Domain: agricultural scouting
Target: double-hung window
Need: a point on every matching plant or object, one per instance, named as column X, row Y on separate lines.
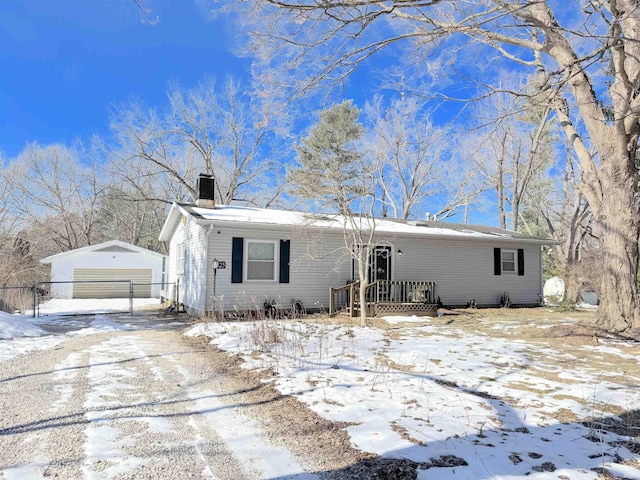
column 261, row 260
column 509, row 264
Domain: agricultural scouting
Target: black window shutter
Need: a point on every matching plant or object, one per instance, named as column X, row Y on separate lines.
column 520, row 261
column 236, row 259
column 285, row 249
column 497, row 261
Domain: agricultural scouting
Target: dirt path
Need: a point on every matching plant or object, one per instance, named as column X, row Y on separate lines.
column 141, row 404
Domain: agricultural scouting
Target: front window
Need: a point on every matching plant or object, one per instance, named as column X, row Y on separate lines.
column 509, row 261
column 261, row 260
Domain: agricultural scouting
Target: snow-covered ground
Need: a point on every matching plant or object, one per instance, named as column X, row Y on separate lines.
column 145, row 410
column 22, row 335
column 64, row 306
column 485, row 407
column 16, row 327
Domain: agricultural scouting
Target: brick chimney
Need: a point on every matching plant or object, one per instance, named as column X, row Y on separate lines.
column 206, row 190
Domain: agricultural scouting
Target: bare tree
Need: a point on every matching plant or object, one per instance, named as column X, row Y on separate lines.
column 55, row 188
column 48, row 197
column 512, row 148
column 126, row 215
column 596, row 102
column 414, row 162
column 334, row 170
column 203, row 130
column 566, row 217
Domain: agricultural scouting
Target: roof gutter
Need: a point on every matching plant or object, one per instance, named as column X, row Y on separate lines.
column 339, row 230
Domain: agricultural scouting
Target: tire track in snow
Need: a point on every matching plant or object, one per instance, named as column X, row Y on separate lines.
column 45, row 418
column 128, row 405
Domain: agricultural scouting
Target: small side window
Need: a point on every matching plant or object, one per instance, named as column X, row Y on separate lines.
column 509, row 264
column 180, row 259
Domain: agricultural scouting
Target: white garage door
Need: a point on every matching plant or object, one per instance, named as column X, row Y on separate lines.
column 93, row 285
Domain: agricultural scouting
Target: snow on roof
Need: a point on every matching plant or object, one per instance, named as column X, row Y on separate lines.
column 108, row 246
column 261, row 216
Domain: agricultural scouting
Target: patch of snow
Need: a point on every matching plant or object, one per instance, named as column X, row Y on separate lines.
column 14, row 329
column 21, row 346
column 608, row 350
column 105, row 444
column 243, row 438
column 407, row 319
column 586, row 306
column 67, row 306
column 16, row 326
column 101, row 324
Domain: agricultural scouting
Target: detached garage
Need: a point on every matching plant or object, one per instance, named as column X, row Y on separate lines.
column 106, row 270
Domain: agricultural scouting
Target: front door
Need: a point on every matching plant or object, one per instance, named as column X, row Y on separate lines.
column 380, row 264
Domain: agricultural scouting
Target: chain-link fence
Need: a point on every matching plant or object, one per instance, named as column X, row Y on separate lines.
column 18, row 298
column 87, row 297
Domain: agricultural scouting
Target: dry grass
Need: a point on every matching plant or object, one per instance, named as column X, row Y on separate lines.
column 552, row 342
column 572, row 337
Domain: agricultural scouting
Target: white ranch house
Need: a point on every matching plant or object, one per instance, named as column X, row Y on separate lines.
column 263, row 254
column 105, row 270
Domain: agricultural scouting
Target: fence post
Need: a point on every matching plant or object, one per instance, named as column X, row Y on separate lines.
column 177, row 294
column 130, row 297
column 33, row 290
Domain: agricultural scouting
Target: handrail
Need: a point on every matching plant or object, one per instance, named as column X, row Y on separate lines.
column 343, row 298
column 402, row 291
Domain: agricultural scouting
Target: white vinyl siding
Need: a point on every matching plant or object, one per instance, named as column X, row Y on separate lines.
column 315, row 266
column 464, row 270
column 260, row 260
column 190, row 289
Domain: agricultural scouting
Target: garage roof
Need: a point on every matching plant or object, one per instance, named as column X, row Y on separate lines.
column 110, row 246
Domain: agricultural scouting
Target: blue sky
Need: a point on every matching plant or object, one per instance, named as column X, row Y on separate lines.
column 64, row 62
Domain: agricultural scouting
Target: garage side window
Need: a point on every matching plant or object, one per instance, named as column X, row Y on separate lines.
column 261, row 260
column 180, row 259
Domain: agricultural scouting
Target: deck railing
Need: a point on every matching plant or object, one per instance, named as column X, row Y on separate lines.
column 382, row 292
column 392, row 291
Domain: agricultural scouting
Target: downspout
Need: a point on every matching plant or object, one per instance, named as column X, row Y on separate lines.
column 206, row 270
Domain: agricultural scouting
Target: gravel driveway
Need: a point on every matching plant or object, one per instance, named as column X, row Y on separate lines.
column 144, row 403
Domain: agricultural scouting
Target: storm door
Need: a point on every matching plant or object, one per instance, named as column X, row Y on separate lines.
column 380, row 264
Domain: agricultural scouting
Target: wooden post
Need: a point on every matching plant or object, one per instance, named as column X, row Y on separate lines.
column 352, row 303
column 331, row 301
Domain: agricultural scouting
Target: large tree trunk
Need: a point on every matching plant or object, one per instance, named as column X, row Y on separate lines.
column 618, row 225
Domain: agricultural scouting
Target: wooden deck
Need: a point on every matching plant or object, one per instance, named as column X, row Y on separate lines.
column 386, row 297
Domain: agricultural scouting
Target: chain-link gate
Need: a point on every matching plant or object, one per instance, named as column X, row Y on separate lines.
column 85, row 297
